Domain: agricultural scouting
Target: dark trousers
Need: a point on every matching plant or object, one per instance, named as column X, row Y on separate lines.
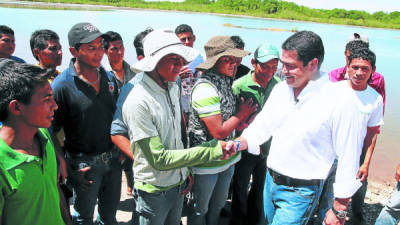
column 247, row 206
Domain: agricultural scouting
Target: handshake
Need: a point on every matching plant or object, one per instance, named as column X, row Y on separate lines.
column 230, row 148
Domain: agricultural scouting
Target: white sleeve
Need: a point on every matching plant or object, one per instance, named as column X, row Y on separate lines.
column 263, row 126
column 376, row 118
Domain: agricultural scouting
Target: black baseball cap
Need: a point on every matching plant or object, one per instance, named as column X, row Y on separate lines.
column 83, row 33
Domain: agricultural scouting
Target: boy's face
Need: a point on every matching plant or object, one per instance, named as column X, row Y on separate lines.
column 51, row 56
column 7, row 45
column 115, row 52
column 91, row 53
column 40, row 111
column 360, row 70
column 187, row 38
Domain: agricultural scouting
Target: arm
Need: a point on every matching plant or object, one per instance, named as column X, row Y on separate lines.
column 164, row 159
column 63, row 206
column 123, row 144
column 368, row 149
column 340, row 204
column 221, row 130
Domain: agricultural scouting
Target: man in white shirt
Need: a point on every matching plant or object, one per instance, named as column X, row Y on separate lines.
column 307, row 118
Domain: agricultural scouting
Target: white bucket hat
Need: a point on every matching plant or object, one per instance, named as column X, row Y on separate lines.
column 160, row 43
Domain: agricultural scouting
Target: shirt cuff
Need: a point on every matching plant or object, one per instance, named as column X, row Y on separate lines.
column 346, row 189
column 252, row 147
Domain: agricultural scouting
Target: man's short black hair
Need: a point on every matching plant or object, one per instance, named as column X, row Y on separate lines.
column 18, row 81
column 183, row 28
column 5, row 30
column 308, row 46
column 110, row 37
column 39, row 39
column 363, row 53
column 138, row 44
column 356, row 44
column 239, row 43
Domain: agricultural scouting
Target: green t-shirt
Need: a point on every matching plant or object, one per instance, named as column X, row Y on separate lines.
column 28, row 185
column 246, row 87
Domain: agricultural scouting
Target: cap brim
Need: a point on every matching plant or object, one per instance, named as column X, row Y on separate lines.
column 210, row 62
column 148, row 63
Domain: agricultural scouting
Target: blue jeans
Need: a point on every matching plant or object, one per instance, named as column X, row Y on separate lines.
column 289, row 205
column 160, row 208
column 390, row 214
column 105, row 191
column 210, row 193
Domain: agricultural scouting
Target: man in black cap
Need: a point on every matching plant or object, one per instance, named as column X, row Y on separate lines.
column 85, row 94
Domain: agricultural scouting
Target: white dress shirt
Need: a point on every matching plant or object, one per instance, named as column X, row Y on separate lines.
column 309, row 132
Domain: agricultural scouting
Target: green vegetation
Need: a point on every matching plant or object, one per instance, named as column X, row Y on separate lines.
column 261, row 8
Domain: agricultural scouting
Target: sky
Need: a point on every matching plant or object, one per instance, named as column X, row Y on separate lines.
column 370, row 6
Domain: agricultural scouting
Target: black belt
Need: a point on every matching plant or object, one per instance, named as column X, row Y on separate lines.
column 281, row 179
column 104, row 157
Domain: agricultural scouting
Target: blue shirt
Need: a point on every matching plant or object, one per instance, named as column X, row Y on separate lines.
column 85, row 115
column 15, row 58
column 118, row 126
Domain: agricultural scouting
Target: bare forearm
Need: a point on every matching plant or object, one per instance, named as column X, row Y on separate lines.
column 63, row 206
column 369, row 145
column 123, row 144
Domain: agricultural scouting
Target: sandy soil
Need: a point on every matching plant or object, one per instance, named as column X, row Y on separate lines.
column 377, row 195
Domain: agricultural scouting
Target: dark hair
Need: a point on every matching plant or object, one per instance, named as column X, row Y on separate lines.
column 5, row 30
column 183, row 28
column 39, row 39
column 363, row 53
column 356, row 44
column 18, row 82
column 308, row 46
column 110, row 37
column 239, row 43
column 138, row 44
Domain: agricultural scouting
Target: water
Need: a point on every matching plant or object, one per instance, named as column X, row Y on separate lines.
column 385, row 43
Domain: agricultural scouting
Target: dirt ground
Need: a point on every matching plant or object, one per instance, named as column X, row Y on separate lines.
column 377, row 195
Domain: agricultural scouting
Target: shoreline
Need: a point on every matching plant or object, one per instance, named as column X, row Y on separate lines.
column 100, row 7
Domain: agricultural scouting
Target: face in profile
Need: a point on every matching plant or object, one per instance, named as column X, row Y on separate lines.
column 51, row 56
column 40, row 111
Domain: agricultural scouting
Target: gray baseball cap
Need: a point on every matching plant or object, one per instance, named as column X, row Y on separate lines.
column 83, row 33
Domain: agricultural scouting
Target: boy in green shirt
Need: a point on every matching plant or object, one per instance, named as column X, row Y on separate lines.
column 29, row 192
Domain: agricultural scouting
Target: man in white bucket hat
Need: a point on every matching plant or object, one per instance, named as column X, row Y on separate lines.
column 153, row 115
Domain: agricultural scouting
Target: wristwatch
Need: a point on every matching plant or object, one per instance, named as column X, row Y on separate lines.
column 339, row 214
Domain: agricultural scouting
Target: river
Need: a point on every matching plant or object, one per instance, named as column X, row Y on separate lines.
column 385, row 43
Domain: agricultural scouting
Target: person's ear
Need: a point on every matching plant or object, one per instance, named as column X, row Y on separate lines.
column 194, row 38
column 36, row 52
column 73, row 51
column 313, row 65
column 15, row 107
column 253, row 62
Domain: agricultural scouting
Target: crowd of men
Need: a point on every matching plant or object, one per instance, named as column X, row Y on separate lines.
column 290, row 145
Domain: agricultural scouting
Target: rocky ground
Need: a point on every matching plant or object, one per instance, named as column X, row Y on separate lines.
column 377, row 195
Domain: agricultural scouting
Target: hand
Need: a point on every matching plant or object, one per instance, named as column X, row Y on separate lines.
column 363, row 172
column 246, row 108
column 331, row 219
column 185, row 72
column 228, row 149
column 78, row 178
column 397, row 175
